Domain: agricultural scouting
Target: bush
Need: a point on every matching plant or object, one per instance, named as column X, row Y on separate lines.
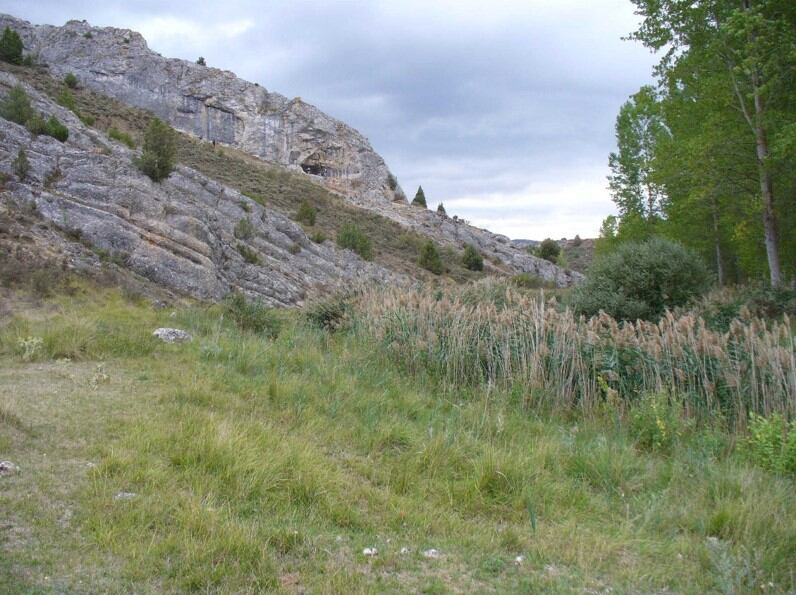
column 70, row 80
column 67, row 100
column 441, row 209
column 11, row 46
column 251, row 316
column 350, row 236
column 306, row 213
column 392, row 182
column 472, row 259
column 420, row 198
column 330, row 315
column 772, row 443
column 655, row 423
column 201, row 61
column 430, row 258
column 159, row 154
column 548, row 250
column 122, row 137
column 15, row 106
column 641, row 280
column 55, row 129
column 243, row 229
column 21, row 165
column 318, row 237
column 248, row 254
column 531, row 281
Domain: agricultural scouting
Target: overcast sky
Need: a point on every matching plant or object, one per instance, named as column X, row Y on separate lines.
column 502, row 110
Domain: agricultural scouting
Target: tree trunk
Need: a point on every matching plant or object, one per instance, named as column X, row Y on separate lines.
column 767, row 193
column 716, row 239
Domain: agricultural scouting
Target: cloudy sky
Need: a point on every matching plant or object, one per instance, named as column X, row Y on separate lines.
column 502, row 110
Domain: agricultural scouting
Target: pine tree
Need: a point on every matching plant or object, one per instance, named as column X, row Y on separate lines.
column 159, row 154
column 441, row 209
column 420, row 198
column 430, row 258
column 472, row 259
column 11, row 46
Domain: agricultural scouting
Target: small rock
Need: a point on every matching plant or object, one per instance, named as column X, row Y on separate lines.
column 431, row 554
column 404, row 551
column 370, row 552
column 519, row 560
column 125, row 496
column 8, row 468
column 172, row 335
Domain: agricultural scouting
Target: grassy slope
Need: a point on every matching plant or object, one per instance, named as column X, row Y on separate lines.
column 393, row 246
column 264, row 464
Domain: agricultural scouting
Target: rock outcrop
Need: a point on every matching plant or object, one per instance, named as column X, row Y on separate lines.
column 183, row 234
column 216, row 105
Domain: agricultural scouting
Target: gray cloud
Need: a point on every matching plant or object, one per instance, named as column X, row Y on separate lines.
column 505, row 113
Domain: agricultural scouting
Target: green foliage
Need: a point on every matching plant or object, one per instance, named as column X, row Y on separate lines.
column 55, row 129
column 21, row 165
column 772, row 443
column 251, row 315
column 248, row 254
column 16, row 107
column 420, row 198
column 159, row 152
column 70, row 80
column 472, row 259
column 352, row 237
column 318, row 237
column 548, row 250
column 244, row 229
column 122, row 137
column 330, row 315
column 392, row 182
column 441, row 209
column 306, row 213
column 11, row 46
column 430, row 258
column 641, row 280
column 201, row 61
column 656, row 422
column 67, row 100
column 531, row 281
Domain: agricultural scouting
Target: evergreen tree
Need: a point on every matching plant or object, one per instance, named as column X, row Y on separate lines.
column 11, row 46
column 430, row 258
column 420, row 198
column 159, row 154
column 472, row 259
column 441, row 209
column 21, row 165
column 549, row 250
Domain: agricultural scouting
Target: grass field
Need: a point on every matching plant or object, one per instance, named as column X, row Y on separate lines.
column 241, row 463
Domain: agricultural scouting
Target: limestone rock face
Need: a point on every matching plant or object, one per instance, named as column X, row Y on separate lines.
column 180, row 233
column 213, row 104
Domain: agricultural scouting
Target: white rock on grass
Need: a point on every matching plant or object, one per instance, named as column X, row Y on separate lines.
column 519, row 560
column 431, row 554
column 172, row 335
column 8, row 468
column 125, row 496
column 404, row 551
column 370, row 552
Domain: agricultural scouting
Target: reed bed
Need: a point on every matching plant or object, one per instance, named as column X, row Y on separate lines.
column 514, row 339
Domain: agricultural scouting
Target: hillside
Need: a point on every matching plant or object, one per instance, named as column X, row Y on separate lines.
column 269, row 135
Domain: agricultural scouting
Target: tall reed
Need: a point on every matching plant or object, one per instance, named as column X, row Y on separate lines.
column 514, row 339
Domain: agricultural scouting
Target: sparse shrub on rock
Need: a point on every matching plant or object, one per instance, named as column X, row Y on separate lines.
column 21, row 165
column 352, row 237
column 70, row 80
column 306, row 214
column 430, row 258
column 11, row 46
column 641, row 280
column 472, row 259
column 16, row 107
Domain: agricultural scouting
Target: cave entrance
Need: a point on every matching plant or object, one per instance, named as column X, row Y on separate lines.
column 314, row 169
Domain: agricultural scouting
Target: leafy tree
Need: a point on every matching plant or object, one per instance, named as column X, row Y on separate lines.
column 159, row 153
column 472, row 259
column 201, row 61
column 740, row 54
column 352, row 237
column 21, row 165
column 16, row 107
column 441, row 209
column 430, row 258
column 548, row 250
column 641, row 280
column 70, row 80
column 11, row 46
column 420, row 198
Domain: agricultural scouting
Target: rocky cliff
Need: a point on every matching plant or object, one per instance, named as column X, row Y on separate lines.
column 184, row 233
column 216, row 105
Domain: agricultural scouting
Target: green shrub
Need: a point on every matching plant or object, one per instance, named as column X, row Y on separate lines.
column 472, row 259
column 771, row 443
column 318, row 237
column 548, row 250
column 420, row 198
column 67, row 100
column 352, row 237
column 56, row 129
column 640, row 280
column 36, row 124
column 330, row 315
column 159, row 154
column 655, row 423
column 87, row 119
column 531, row 281
column 392, row 182
column 441, row 209
column 16, row 107
column 122, row 137
column 70, row 80
column 201, row 61
column 21, row 165
column 243, row 229
column 11, row 46
column 251, row 316
column 430, row 258
column 248, row 254
column 306, row 213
